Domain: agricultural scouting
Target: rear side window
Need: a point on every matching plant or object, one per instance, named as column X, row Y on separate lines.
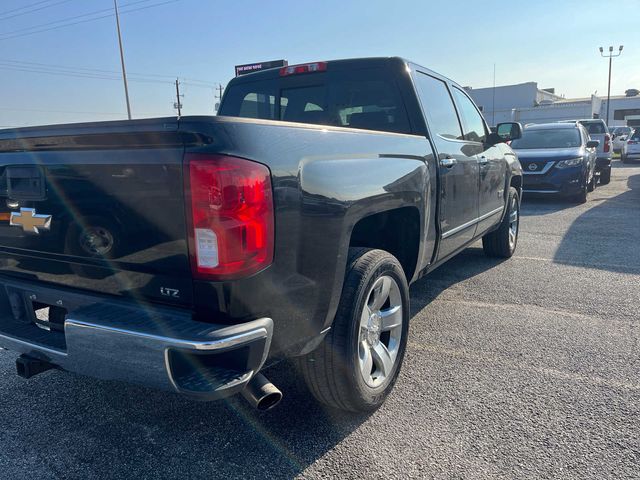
column 363, row 98
column 594, row 127
column 438, row 106
column 474, row 128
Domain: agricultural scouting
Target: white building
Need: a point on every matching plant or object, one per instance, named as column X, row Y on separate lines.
column 526, row 103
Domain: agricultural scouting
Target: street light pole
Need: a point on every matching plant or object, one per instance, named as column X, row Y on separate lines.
column 124, row 72
column 610, row 56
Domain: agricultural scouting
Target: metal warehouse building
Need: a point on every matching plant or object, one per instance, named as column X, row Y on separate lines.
column 526, row 103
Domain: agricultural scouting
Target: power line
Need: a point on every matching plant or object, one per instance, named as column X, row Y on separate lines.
column 59, row 2
column 77, row 75
column 24, row 7
column 72, row 111
column 86, row 70
column 90, row 75
column 89, row 19
column 62, row 20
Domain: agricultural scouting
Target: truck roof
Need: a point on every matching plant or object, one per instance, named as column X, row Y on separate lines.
column 552, row 126
column 341, row 64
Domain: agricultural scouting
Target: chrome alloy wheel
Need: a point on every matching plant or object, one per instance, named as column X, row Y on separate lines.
column 380, row 331
column 514, row 220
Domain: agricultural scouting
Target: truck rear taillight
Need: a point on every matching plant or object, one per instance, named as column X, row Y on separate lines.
column 303, row 68
column 230, row 216
column 607, row 143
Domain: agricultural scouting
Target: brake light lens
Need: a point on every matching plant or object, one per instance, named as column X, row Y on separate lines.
column 230, row 216
column 607, row 139
column 303, row 68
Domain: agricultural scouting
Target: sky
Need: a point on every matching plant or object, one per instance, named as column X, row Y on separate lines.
column 60, row 63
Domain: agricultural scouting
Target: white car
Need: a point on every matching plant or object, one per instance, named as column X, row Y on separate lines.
column 631, row 148
column 620, row 136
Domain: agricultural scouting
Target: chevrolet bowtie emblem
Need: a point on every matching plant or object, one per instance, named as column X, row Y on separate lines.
column 30, row 221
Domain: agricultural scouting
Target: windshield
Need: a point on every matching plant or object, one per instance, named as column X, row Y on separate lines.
column 622, row 131
column 548, row 138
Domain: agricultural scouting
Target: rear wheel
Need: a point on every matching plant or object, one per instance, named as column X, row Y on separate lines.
column 605, row 176
column 503, row 241
column 623, row 158
column 357, row 364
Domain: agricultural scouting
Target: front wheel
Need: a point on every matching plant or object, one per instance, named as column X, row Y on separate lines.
column 502, row 242
column 581, row 197
column 357, row 364
column 591, row 186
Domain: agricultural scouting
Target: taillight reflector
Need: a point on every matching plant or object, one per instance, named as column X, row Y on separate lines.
column 303, row 68
column 230, row 216
column 607, row 140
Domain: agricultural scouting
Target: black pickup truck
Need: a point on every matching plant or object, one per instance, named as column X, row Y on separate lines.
column 190, row 254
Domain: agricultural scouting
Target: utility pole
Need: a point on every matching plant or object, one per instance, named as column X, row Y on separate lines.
column 610, row 56
column 493, row 105
column 124, row 72
column 178, row 105
column 218, row 97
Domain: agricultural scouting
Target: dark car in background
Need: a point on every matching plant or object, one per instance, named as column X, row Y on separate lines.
column 557, row 158
column 598, row 130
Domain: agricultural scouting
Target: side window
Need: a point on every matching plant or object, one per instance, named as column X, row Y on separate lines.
column 474, row 124
column 438, row 106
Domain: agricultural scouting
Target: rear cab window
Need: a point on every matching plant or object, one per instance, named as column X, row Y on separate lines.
column 366, row 98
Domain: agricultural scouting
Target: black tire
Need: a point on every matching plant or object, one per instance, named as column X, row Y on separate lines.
column 333, row 371
column 623, row 158
column 581, row 197
column 605, row 176
column 499, row 242
column 591, row 185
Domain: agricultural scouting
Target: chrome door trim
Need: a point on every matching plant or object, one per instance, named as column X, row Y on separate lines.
column 471, row 223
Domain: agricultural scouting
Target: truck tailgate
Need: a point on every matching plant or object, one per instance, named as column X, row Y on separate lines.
column 98, row 207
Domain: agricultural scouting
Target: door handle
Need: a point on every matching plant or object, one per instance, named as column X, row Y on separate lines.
column 448, row 162
column 483, row 160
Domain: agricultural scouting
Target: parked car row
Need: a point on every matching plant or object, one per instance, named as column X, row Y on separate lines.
column 571, row 157
column 561, row 159
column 620, row 136
column 630, row 149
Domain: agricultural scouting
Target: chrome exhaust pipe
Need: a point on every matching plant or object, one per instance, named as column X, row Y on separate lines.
column 261, row 393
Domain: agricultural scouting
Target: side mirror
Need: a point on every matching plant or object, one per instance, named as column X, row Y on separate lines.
column 593, row 143
column 505, row 132
column 509, row 131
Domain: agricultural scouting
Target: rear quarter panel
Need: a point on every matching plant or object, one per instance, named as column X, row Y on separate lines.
column 324, row 181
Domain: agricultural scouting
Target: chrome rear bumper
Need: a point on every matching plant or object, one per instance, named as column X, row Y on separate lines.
column 116, row 340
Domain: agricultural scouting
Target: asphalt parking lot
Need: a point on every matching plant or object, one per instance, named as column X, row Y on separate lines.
column 526, row 368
